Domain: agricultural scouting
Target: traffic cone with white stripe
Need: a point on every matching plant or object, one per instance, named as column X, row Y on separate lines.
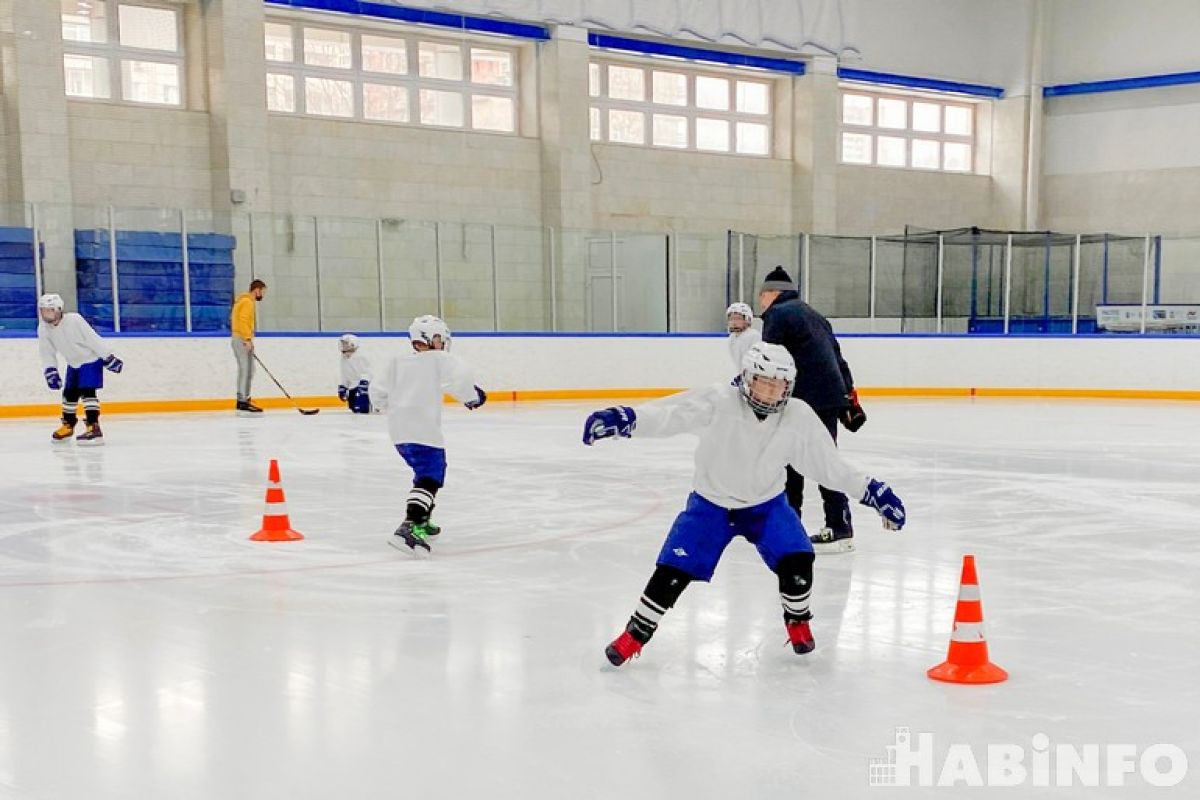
column 967, row 661
column 276, row 527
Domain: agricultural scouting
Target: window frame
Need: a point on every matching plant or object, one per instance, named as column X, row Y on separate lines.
column 690, row 110
column 908, row 133
column 116, row 54
column 411, row 81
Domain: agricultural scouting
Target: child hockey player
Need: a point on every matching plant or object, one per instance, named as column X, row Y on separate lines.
column 741, row 336
column 354, row 390
column 410, row 390
column 70, row 336
column 747, row 434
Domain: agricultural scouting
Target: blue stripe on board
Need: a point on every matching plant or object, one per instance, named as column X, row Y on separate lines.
column 418, row 16
column 695, row 53
column 914, row 82
column 1121, row 84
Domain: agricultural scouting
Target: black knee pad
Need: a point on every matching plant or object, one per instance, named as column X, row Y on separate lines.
column 795, row 571
column 666, row 584
column 428, row 484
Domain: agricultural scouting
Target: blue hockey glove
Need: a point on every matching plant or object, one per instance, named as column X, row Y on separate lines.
column 880, row 497
column 52, row 378
column 480, row 400
column 343, row 393
column 114, row 364
column 364, row 386
column 615, row 421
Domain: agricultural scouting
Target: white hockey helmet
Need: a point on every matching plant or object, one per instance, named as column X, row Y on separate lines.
column 741, row 310
column 427, row 328
column 50, row 301
column 348, row 343
column 768, row 375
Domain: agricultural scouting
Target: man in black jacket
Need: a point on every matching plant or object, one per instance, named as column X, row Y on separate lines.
column 823, row 380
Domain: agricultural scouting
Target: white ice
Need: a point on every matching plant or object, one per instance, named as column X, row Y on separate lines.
column 149, row 650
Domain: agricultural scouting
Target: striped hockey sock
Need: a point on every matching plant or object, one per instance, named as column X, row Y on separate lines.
column 795, row 573
column 663, row 589
column 68, row 412
column 91, row 409
column 420, row 504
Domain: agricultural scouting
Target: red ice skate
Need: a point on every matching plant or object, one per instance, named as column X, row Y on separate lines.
column 800, row 635
column 623, row 648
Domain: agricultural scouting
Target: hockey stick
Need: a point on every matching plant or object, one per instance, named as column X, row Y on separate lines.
column 305, row 411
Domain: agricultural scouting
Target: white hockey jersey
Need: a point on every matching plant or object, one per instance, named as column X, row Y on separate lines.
column 73, row 339
column 355, row 368
column 740, row 459
column 739, row 343
column 410, row 390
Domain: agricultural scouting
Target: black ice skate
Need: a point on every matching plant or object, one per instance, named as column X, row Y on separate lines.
column 828, row 541
column 245, row 408
column 91, row 437
column 410, row 537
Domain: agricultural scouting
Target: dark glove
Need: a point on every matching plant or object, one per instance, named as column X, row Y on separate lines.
column 343, row 393
column 852, row 416
column 114, row 364
column 53, row 380
column 477, row 402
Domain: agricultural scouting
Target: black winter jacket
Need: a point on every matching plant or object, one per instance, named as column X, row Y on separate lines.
column 823, row 378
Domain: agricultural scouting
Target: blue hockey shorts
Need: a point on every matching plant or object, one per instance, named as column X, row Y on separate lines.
column 426, row 462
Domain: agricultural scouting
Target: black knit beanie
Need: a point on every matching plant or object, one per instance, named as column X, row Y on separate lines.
column 778, row 281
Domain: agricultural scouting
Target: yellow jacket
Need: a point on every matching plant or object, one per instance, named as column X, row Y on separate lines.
column 241, row 321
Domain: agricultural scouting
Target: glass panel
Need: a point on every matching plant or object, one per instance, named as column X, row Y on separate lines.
column 670, row 130
column 700, row 282
column 84, row 21
column 753, row 98
column 594, row 118
column 927, row 117
column 439, row 60
column 856, row 148
column 890, row 151
column 326, row 48
column 492, row 67
column 385, row 55
column 712, row 93
column 958, row 120
column 467, row 276
column 285, row 249
column 753, row 139
column 926, row 154
column 627, row 127
column 328, row 97
column 858, row 109
column 385, row 103
column 441, row 108
column 712, row 134
column 626, row 83
column 148, row 28
column 522, row 276
column 86, row 76
column 349, row 275
column 149, row 270
column 594, row 80
column 958, row 157
column 150, row 82
column 492, row 113
column 281, row 92
column 893, row 113
column 278, row 43
column 840, row 278
column 409, row 272
column 670, row 88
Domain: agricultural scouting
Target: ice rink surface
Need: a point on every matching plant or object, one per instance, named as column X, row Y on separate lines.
column 149, row 650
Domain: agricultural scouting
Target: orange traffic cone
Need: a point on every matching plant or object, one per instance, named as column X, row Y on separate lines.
column 967, row 661
column 276, row 527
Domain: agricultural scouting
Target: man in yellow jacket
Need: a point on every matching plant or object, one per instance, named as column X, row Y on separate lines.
column 241, row 323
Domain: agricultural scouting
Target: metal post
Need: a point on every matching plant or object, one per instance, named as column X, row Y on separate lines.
column 612, row 266
column 1007, row 281
column 495, row 286
column 39, row 276
column 1145, row 280
column 805, row 266
column 872, row 281
column 553, row 284
column 437, row 265
column 741, row 268
column 187, row 272
column 379, row 272
column 673, row 281
column 317, row 269
column 1075, row 285
column 250, row 233
column 1157, row 269
column 112, row 266
column 941, row 273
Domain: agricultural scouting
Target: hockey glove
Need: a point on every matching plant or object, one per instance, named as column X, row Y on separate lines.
column 52, row 378
column 615, row 421
column 880, row 497
column 478, row 401
column 852, row 416
column 364, row 387
column 114, row 364
column 343, row 393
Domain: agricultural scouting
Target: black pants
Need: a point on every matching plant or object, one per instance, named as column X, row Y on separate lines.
column 837, row 507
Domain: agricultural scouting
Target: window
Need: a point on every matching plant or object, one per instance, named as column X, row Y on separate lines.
column 380, row 76
column 913, row 131
column 115, row 50
column 679, row 109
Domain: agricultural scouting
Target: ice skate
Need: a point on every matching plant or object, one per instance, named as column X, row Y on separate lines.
column 800, row 636
column 410, row 537
column 828, row 541
column 91, row 437
column 623, row 648
column 246, row 408
column 64, row 433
